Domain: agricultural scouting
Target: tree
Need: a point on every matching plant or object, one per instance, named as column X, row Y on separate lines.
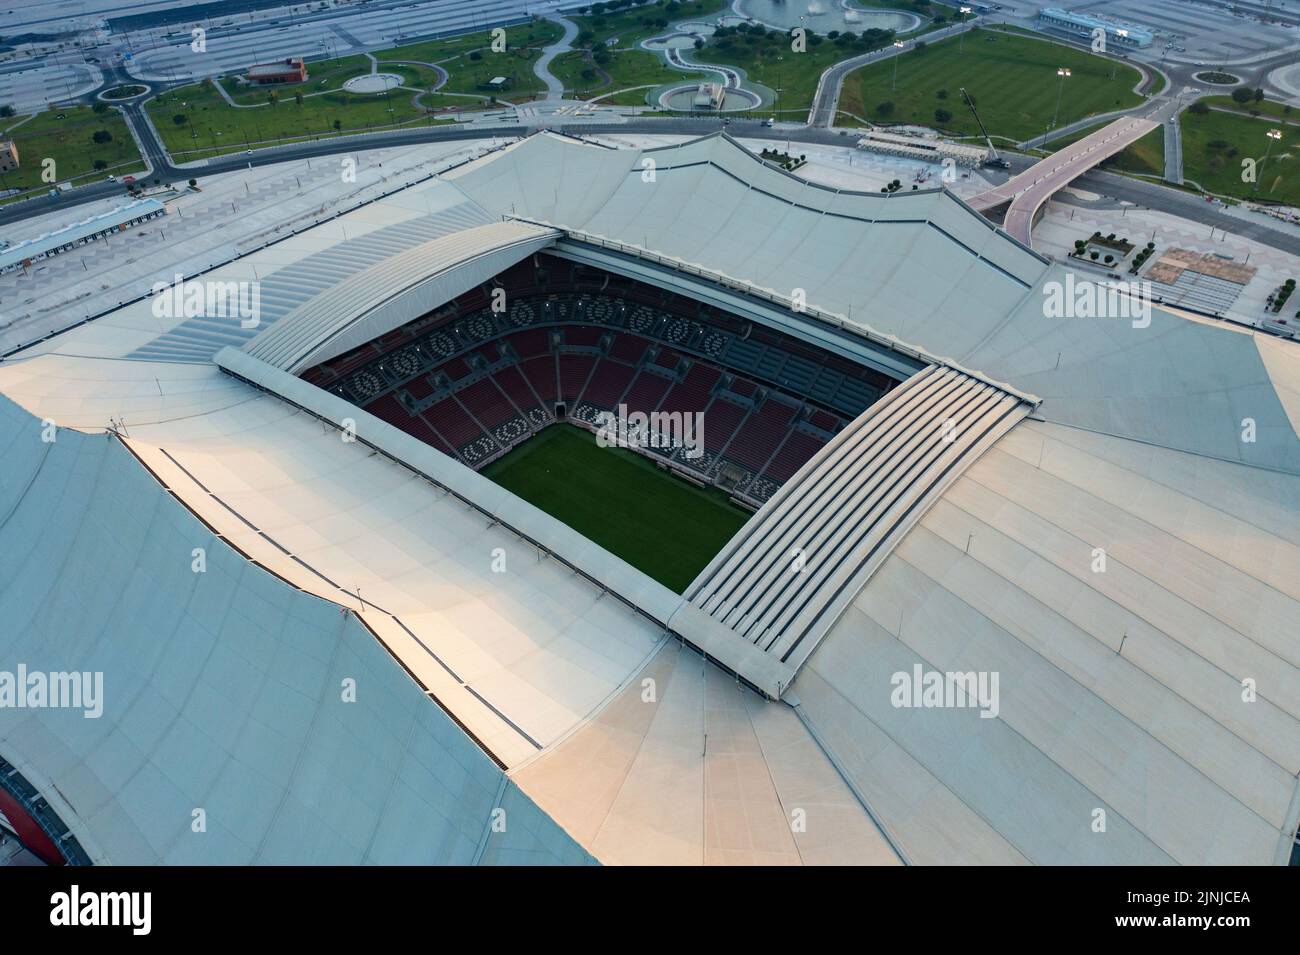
column 940, row 94
column 885, row 109
column 102, row 136
column 100, row 108
column 193, row 183
column 942, row 116
column 1242, row 95
column 180, row 119
column 100, row 165
column 6, row 110
column 338, row 125
column 297, row 98
column 273, row 97
column 1259, row 95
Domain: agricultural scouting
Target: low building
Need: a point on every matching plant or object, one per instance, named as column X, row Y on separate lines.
column 8, row 155
column 930, row 150
column 1122, row 34
column 498, row 83
column 709, row 96
column 291, row 70
column 69, row 237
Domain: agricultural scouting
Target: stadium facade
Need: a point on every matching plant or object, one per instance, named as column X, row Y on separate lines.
column 322, row 633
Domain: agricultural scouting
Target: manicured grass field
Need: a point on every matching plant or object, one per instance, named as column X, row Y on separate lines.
column 212, row 126
column 70, row 143
column 620, row 500
column 1215, row 143
column 626, row 69
column 310, row 110
column 1012, row 79
column 1279, row 111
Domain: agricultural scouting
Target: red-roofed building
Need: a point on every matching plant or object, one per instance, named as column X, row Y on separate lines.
column 292, row 70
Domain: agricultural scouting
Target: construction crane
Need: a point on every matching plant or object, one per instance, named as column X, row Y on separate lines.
column 994, row 159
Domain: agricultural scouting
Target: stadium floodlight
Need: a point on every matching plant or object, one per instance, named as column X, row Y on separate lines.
column 1272, row 134
column 898, row 45
column 1063, row 72
column 961, row 40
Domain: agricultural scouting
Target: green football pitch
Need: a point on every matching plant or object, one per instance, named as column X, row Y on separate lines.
column 622, row 501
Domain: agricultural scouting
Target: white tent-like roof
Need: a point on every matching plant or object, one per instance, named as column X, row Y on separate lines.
column 1162, row 690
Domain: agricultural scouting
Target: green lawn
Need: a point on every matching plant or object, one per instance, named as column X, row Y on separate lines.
column 212, row 126
column 70, row 143
column 470, row 61
column 624, row 64
column 304, row 111
column 523, row 35
column 629, row 27
column 1012, row 79
column 321, row 77
column 1214, row 145
column 1280, row 111
column 766, row 58
column 620, row 500
column 582, row 79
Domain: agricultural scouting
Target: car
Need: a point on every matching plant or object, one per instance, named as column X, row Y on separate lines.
column 769, row 122
column 112, row 178
column 248, row 152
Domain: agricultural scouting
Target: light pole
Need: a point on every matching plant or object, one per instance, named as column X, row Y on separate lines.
column 1272, row 134
column 897, row 56
column 961, row 41
column 1114, row 64
column 778, row 87
column 1062, row 73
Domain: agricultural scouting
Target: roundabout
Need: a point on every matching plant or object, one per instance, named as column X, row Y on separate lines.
column 1217, row 78
column 734, row 99
column 118, row 94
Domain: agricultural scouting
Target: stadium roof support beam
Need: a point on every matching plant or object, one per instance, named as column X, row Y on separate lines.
column 639, row 591
column 394, row 291
column 785, row 578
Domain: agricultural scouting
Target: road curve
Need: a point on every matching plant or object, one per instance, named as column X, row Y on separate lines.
column 555, row 88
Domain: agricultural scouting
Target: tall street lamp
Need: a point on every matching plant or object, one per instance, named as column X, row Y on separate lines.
column 961, row 41
column 1062, row 73
column 1272, row 135
column 897, row 56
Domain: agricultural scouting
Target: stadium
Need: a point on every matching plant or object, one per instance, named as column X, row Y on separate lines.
column 363, row 586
